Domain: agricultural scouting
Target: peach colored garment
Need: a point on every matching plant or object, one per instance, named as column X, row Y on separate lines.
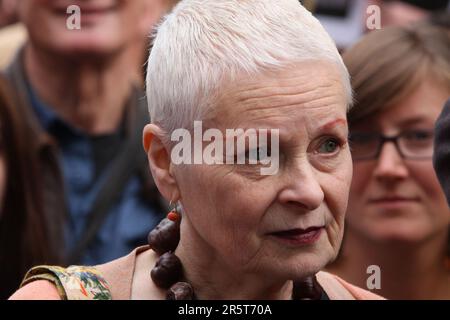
column 119, row 274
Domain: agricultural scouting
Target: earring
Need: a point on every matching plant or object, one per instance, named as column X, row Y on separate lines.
column 166, row 235
column 173, row 215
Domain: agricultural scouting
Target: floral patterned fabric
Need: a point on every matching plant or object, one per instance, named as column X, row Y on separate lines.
column 72, row 283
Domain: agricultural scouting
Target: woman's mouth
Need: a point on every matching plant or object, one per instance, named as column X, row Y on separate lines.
column 393, row 202
column 298, row 236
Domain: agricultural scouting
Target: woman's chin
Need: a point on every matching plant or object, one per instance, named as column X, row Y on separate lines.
column 399, row 236
column 304, row 266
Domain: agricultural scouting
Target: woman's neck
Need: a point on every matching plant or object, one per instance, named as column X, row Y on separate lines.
column 213, row 278
column 407, row 271
column 89, row 94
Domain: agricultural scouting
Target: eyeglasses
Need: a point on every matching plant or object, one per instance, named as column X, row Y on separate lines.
column 412, row 144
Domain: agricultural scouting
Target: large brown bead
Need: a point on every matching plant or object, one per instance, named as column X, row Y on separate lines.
column 167, row 270
column 165, row 237
column 180, row 291
column 307, row 289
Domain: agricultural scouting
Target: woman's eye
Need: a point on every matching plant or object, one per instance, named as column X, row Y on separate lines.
column 329, row 146
column 418, row 135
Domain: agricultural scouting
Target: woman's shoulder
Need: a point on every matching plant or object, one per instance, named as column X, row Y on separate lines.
column 72, row 283
column 37, row 290
column 339, row 289
column 108, row 281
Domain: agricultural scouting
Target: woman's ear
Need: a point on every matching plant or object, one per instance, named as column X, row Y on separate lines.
column 160, row 162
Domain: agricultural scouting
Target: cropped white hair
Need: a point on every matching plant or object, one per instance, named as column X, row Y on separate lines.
column 203, row 43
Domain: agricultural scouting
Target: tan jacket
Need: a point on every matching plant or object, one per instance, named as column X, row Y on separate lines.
column 119, row 275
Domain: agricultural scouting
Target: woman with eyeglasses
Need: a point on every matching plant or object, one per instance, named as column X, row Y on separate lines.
column 397, row 224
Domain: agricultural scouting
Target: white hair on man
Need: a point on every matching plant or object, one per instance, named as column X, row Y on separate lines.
column 204, row 43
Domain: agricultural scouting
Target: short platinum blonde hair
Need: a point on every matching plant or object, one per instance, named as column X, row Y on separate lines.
column 203, row 44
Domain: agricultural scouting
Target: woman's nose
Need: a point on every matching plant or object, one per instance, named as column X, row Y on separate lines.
column 390, row 164
column 301, row 188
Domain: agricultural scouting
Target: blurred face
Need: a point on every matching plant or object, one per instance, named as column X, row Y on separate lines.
column 396, row 199
column 106, row 25
column 289, row 224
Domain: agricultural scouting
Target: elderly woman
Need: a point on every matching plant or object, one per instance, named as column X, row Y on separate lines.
column 397, row 224
column 218, row 66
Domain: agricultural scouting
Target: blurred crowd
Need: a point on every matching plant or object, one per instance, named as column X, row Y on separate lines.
column 74, row 182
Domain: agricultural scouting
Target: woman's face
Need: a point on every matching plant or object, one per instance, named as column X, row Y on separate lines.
column 105, row 25
column 397, row 199
column 288, row 224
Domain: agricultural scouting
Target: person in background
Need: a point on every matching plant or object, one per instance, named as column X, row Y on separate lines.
column 441, row 156
column 348, row 20
column 398, row 218
column 407, row 12
column 26, row 236
column 442, row 150
column 78, row 92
